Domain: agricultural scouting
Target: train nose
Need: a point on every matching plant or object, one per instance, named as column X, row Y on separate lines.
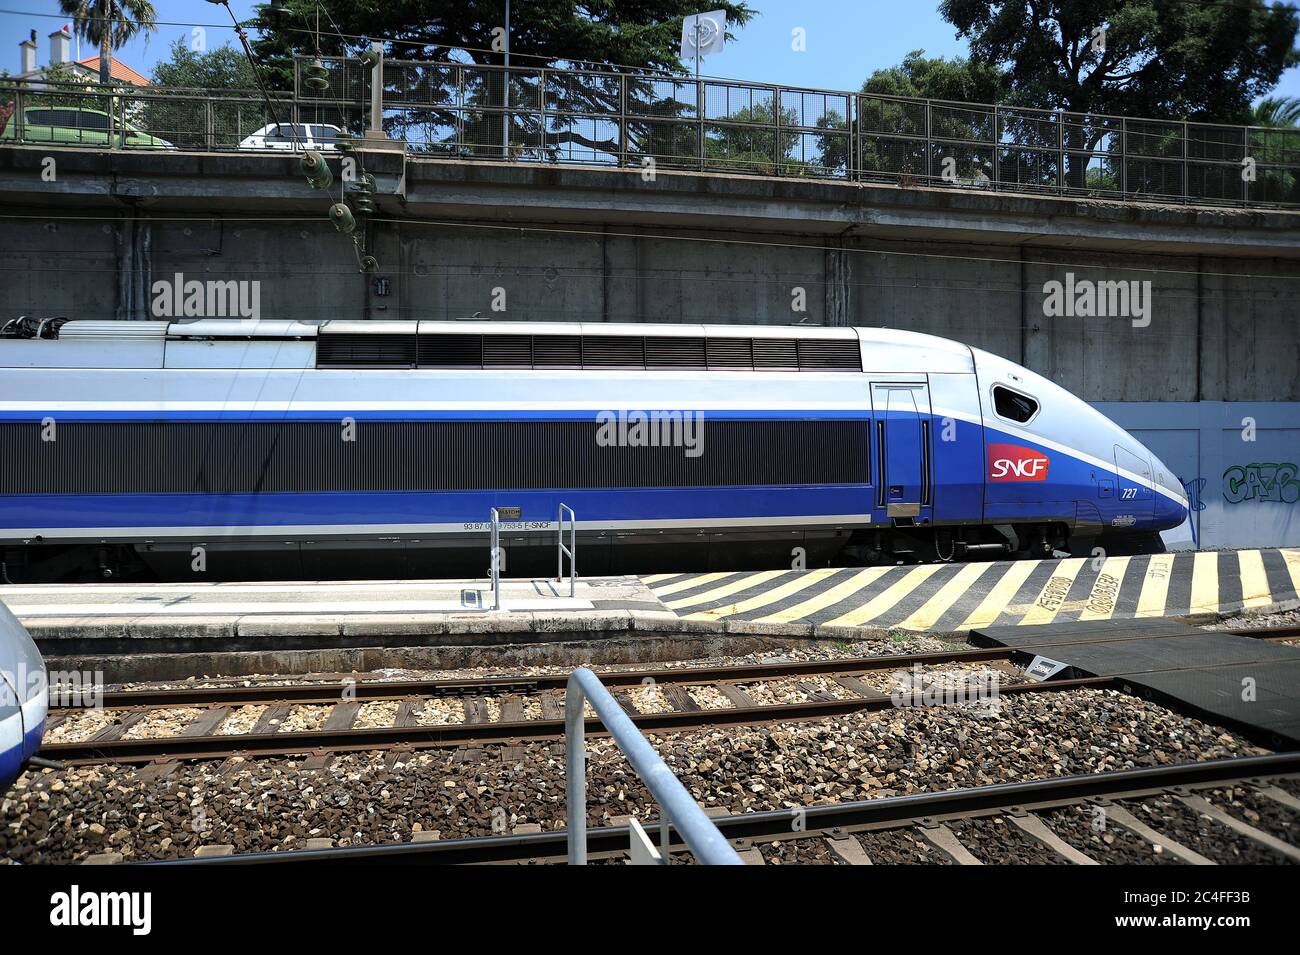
column 1171, row 504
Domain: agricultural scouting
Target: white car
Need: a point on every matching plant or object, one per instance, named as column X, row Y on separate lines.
column 319, row 136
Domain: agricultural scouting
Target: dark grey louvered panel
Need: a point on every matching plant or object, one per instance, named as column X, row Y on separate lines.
column 613, row 351
column 586, row 351
column 507, row 351
column 365, row 351
column 776, row 353
column 451, row 351
column 829, row 355
column 557, row 351
column 238, row 457
column 675, row 353
column 735, row 353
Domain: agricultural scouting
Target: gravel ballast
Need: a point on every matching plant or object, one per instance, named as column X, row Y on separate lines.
column 359, row 799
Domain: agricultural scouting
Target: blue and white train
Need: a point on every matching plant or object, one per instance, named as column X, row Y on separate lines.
column 24, row 698
column 377, row 449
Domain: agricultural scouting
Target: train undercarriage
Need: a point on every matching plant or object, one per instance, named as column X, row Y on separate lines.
column 534, row 554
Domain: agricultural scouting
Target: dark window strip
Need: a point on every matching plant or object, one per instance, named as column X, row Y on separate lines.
column 360, row 350
column 236, row 457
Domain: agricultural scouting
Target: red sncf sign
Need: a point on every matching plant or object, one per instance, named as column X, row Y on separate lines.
column 1011, row 462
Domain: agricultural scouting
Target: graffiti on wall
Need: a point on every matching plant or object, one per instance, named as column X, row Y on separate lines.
column 1195, row 505
column 1262, row 482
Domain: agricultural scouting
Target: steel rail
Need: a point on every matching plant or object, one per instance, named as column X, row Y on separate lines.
column 440, row 735
column 884, row 813
column 331, row 691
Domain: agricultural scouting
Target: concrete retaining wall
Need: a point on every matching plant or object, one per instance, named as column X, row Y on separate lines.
column 1240, row 460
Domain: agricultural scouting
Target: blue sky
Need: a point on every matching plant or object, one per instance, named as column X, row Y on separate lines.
column 846, row 39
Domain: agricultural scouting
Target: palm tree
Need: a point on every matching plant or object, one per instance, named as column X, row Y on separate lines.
column 109, row 24
column 1282, row 112
column 1280, row 149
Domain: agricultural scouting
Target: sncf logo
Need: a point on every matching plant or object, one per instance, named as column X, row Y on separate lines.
column 1011, row 462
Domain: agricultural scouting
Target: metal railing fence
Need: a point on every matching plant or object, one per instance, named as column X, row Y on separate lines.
column 597, row 117
column 676, row 805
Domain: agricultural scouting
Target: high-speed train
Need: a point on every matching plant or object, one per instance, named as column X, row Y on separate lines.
column 24, row 698
column 378, row 449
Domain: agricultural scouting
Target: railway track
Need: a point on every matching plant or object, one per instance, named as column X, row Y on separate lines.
column 934, row 818
column 498, row 710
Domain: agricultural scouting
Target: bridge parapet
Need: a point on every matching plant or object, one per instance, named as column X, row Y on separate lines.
column 647, row 121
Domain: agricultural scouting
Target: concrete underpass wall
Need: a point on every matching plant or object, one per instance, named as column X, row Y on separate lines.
column 1229, row 333
column 1239, row 460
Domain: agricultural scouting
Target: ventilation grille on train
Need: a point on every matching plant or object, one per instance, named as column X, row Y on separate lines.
column 360, row 350
column 366, row 351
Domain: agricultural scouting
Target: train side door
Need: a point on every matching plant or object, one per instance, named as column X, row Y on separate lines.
column 902, row 448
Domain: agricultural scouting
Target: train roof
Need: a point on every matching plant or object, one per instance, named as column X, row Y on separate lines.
column 883, row 349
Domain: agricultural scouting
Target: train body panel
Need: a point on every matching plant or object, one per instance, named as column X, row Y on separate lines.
column 24, row 697
column 875, row 432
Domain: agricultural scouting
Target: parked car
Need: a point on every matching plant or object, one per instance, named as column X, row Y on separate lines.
column 319, row 136
column 76, row 126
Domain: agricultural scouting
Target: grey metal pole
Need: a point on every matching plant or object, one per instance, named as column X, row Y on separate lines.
column 377, row 88
column 496, row 559
column 575, row 771
column 505, row 93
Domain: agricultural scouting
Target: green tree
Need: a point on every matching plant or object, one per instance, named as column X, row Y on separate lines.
column 109, row 24
column 183, row 120
column 918, row 76
column 1169, row 59
column 1165, row 58
column 958, row 79
column 1278, row 146
column 579, row 35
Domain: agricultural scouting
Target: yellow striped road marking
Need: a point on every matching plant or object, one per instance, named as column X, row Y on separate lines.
column 726, row 590
column 1045, row 611
column 1105, row 589
column 802, row 582
column 886, row 599
column 929, row 612
column 1292, row 558
column 691, row 582
column 827, row 597
column 1155, row 586
column 1254, row 580
column 1000, row 595
column 1205, row 582
column 655, row 578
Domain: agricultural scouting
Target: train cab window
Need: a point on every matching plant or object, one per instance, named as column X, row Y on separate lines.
column 1012, row 405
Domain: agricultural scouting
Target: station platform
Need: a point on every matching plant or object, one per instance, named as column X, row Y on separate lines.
column 1239, row 682
column 956, row 597
column 323, row 608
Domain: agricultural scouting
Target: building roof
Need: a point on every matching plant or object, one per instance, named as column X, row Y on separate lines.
column 116, row 69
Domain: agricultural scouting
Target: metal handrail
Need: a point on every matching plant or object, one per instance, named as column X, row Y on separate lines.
column 495, row 567
column 571, row 550
column 675, row 804
column 448, row 109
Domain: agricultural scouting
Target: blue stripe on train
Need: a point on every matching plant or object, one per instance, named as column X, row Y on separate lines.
column 278, row 508
column 399, row 414
column 32, row 739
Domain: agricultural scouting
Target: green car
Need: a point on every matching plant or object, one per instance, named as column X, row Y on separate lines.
column 74, row 126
